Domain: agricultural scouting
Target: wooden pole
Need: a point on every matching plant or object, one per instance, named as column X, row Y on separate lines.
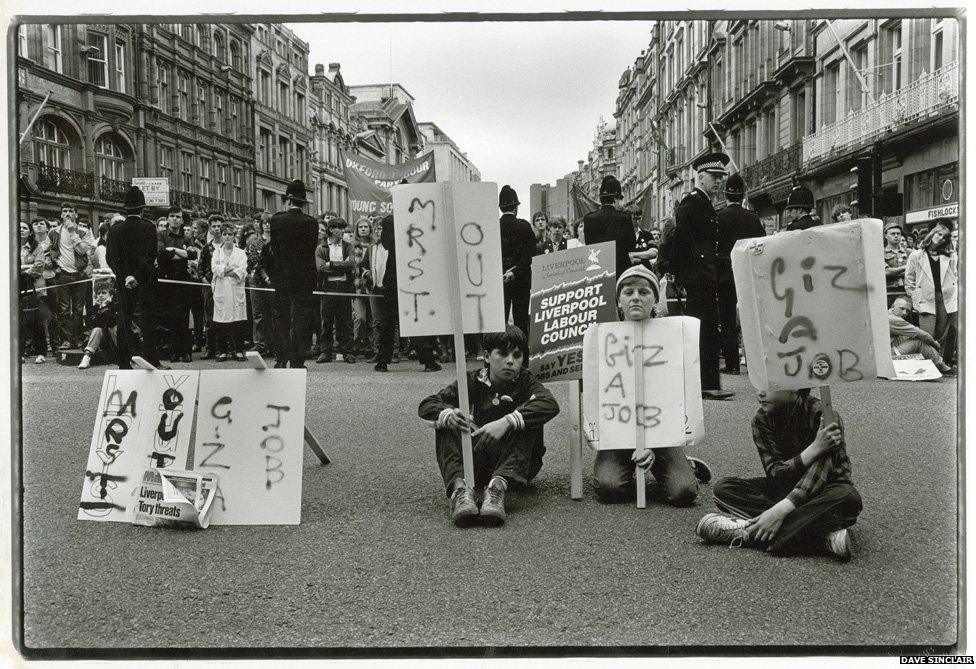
column 828, row 413
column 639, row 473
column 454, row 261
column 576, row 441
column 30, row 125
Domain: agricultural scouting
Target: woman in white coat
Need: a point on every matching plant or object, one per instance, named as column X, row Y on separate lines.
column 229, row 265
column 930, row 280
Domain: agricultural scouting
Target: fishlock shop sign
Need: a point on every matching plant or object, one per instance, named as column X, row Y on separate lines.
column 947, row 211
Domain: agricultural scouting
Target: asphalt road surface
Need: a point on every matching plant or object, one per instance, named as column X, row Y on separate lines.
column 376, row 561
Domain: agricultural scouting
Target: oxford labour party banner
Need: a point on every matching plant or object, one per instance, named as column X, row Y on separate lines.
column 370, row 182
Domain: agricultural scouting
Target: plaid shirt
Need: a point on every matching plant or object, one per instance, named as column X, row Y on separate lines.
column 780, row 438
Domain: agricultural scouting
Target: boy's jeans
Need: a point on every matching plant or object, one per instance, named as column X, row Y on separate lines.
column 836, row 506
column 514, row 458
column 613, row 475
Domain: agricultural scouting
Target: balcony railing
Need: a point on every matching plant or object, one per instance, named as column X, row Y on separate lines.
column 59, row 180
column 928, row 94
column 112, row 190
column 781, row 163
column 195, row 201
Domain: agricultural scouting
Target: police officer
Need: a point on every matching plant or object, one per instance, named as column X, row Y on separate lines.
column 609, row 224
column 690, row 253
column 130, row 250
column 735, row 222
column 798, row 207
column 291, row 255
column 518, row 246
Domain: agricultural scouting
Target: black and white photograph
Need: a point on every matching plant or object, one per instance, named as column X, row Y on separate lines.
column 450, row 334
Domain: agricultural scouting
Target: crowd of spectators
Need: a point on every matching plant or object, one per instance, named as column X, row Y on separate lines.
column 62, row 310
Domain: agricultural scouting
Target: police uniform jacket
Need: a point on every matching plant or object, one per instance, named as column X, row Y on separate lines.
column 735, row 222
column 608, row 224
column 802, row 223
column 518, row 247
column 291, row 251
column 131, row 251
column 691, row 251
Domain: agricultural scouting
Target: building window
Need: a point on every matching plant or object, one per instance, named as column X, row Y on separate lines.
column 109, row 159
column 932, row 188
column 266, row 87
column 857, row 97
column 236, row 173
column 186, row 171
column 219, row 52
column 284, row 167
column 200, row 113
column 205, row 176
column 164, row 91
column 183, row 101
column 52, row 48
column 937, row 53
column 299, row 107
column 890, row 58
column 51, row 145
column 97, row 60
column 166, row 162
column 831, row 93
column 22, row 41
column 283, row 99
column 233, row 127
column 218, row 113
column 188, row 31
column 264, row 161
column 221, row 181
column 267, row 200
column 300, row 160
column 120, row 66
column 235, row 55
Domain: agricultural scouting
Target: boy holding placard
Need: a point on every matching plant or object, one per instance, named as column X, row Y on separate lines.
column 638, row 292
column 509, row 409
column 806, row 498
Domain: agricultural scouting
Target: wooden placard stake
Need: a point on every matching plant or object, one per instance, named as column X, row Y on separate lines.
column 467, row 455
column 576, row 441
column 257, row 362
column 639, row 472
column 828, row 413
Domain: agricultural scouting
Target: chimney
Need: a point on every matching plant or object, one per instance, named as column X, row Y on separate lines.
column 333, row 69
column 319, row 70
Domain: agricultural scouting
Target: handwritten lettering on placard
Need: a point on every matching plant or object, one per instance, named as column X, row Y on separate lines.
column 428, row 220
column 812, row 305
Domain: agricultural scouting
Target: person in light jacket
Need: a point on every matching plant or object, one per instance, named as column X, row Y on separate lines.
column 930, row 280
column 229, row 265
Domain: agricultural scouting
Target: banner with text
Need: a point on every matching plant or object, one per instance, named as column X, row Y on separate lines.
column 571, row 290
column 369, row 182
column 812, row 305
column 428, row 219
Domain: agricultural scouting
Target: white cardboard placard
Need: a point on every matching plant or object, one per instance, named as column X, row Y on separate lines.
column 250, row 432
column 812, row 306
column 428, row 217
column 143, row 420
column 671, row 409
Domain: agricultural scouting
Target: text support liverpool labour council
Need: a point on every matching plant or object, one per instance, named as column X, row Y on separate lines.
column 567, row 315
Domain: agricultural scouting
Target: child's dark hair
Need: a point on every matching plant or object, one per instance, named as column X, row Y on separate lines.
column 803, row 392
column 511, row 339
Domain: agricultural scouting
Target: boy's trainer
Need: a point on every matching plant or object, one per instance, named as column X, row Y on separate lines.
column 838, row 543
column 464, row 510
column 493, row 504
column 719, row 529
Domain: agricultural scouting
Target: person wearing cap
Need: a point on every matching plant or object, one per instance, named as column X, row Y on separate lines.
column 895, row 259
column 291, row 251
column 690, row 253
column 518, row 247
column 798, row 207
column 638, row 294
column 735, row 222
column 609, row 224
column 131, row 253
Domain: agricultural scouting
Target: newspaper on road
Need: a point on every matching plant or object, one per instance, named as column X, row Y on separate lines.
column 170, row 498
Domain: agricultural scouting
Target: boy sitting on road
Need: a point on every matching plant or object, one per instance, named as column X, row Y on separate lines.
column 510, row 407
column 806, row 498
column 103, row 324
column 638, row 293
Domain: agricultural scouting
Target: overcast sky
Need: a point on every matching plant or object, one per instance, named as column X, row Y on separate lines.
column 521, row 99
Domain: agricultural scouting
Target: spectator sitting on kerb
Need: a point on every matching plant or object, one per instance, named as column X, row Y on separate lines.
column 907, row 339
